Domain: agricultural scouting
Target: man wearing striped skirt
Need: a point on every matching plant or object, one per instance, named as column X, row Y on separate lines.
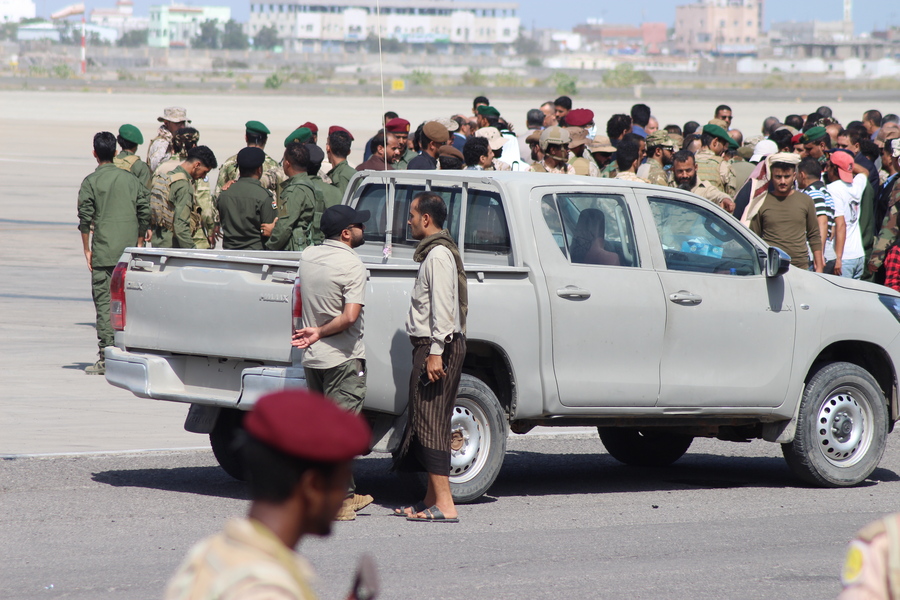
column 436, row 327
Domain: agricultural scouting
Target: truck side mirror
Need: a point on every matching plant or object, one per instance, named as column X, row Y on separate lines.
column 777, row 262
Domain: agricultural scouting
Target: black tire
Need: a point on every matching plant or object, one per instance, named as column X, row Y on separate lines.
column 644, row 447
column 842, row 427
column 222, row 439
column 481, row 428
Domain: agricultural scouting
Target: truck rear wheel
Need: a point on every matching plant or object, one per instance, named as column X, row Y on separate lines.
column 841, row 427
column 222, row 438
column 644, row 447
column 478, row 431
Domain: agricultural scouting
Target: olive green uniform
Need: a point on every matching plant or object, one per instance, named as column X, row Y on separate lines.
column 117, row 206
column 716, row 170
column 186, row 216
column 294, row 228
column 243, row 208
column 340, row 176
column 890, row 230
column 403, row 163
column 206, row 208
column 139, row 169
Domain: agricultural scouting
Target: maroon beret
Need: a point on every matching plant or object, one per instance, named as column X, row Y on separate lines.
column 579, row 117
column 311, row 126
column 397, row 125
column 334, row 128
column 309, row 426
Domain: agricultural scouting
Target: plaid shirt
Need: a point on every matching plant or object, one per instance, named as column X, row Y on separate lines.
column 892, row 268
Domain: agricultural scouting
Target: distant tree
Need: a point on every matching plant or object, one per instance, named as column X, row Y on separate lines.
column 234, row 37
column 526, row 46
column 134, row 38
column 209, row 36
column 266, row 38
column 388, row 45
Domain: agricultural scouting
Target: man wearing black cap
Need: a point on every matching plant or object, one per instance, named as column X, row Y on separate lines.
column 256, row 135
column 434, row 136
column 294, row 228
column 298, row 453
column 245, row 206
column 333, row 292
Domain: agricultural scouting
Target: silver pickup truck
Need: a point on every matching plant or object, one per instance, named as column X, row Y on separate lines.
column 644, row 311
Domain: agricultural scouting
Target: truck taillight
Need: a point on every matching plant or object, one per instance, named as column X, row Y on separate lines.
column 117, row 297
column 297, row 307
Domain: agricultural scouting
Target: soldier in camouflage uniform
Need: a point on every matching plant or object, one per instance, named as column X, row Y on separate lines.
column 660, row 151
column 199, row 162
column 582, row 161
column 711, row 166
column 256, row 136
column 337, row 147
column 173, row 119
column 684, row 174
column 129, row 139
column 114, row 206
column 182, row 141
column 890, row 228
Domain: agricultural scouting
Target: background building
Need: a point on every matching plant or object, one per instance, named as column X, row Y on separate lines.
column 176, row 25
column 340, row 25
column 646, row 38
column 121, row 17
column 719, row 26
column 13, row 11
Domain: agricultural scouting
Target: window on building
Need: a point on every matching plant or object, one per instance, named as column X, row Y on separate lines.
column 506, row 32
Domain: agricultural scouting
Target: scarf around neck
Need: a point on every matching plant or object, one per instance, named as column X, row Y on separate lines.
column 442, row 238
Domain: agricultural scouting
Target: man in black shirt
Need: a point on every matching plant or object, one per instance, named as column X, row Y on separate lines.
column 246, row 205
column 434, row 135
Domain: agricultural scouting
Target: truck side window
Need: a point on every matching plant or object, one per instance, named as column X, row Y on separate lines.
column 696, row 239
column 591, row 229
column 372, row 198
column 486, row 230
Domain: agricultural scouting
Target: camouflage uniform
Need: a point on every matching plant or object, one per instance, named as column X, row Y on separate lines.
column 585, row 166
column 716, row 170
column 245, row 561
column 160, row 147
column 708, row 191
column 872, row 564
column 186, row 217
column 629, row 176
column 209, row 216
column 610, row 170
column 563, row 169
column 890, row 229
column 272, row 178
column 657, row 175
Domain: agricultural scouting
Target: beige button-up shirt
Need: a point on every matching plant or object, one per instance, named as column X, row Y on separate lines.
column 332, row 275
column 434, row 304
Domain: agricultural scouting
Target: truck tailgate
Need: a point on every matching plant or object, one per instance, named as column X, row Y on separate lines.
column 220, row 303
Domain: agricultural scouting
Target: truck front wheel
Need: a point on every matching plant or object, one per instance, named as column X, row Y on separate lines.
column 644, row 447
column 222, row 438
column 841, row 427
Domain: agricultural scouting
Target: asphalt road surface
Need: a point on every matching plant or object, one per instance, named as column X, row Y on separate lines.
column 564, row 520
column 91, row 508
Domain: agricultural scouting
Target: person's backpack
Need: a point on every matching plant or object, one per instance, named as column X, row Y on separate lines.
column 125, row 163
column 162, row 211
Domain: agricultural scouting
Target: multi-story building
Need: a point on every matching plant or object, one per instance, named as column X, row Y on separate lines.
column 646, row 38
column 13, row 11
column 339, row 25
column 719, row 26
column 121, row 17
column 175, row 25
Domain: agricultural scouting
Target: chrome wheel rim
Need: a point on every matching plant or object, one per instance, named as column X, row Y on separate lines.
column 843, row 426
column 470, row 437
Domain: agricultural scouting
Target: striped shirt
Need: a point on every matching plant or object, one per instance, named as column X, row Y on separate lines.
column 823, row 201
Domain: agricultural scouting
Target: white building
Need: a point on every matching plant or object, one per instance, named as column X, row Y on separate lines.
column 13, row 11
column 335, row 25
column 175, row 25
column 121, row 17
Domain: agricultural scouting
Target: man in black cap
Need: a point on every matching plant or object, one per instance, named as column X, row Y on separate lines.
column 333, row 292
column 245, row 206
column 434, row 136
column 297, row 453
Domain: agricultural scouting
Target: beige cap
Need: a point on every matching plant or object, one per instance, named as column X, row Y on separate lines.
column 493, row 136
column 450, row 124
column 601, row 143
column 436, row 132
column 534, row 137
column 579, row 136
column 720, row 122
column 555, row 135
column 175, row 114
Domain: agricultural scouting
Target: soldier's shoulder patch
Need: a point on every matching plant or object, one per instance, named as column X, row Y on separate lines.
column 857, row 554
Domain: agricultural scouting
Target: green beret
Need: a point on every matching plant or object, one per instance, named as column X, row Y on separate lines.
column 131, row 134
column 301, row 136
column 814, row 134
column 716, row 131
column 257, row 128
column 488, row 111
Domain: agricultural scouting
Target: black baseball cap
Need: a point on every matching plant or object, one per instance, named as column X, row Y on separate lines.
column 337, row 218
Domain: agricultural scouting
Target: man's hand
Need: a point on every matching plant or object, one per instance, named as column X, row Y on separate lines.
column 266, row 228
column 434, row 366
column 837, row 266
column 304, row 338
column 87, row 255
column 148, row 235
column 227, row 185
column 728, row 204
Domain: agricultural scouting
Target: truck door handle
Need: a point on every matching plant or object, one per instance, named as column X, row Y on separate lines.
column 284, row 276
column 570, row 291
column 685, row 297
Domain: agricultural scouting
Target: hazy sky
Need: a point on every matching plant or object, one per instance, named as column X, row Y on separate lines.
column 867, row 13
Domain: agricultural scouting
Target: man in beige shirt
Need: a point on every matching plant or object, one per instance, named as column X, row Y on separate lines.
column 333, row 292
column 298, row 457
column 684, row 171
column 436, row 328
